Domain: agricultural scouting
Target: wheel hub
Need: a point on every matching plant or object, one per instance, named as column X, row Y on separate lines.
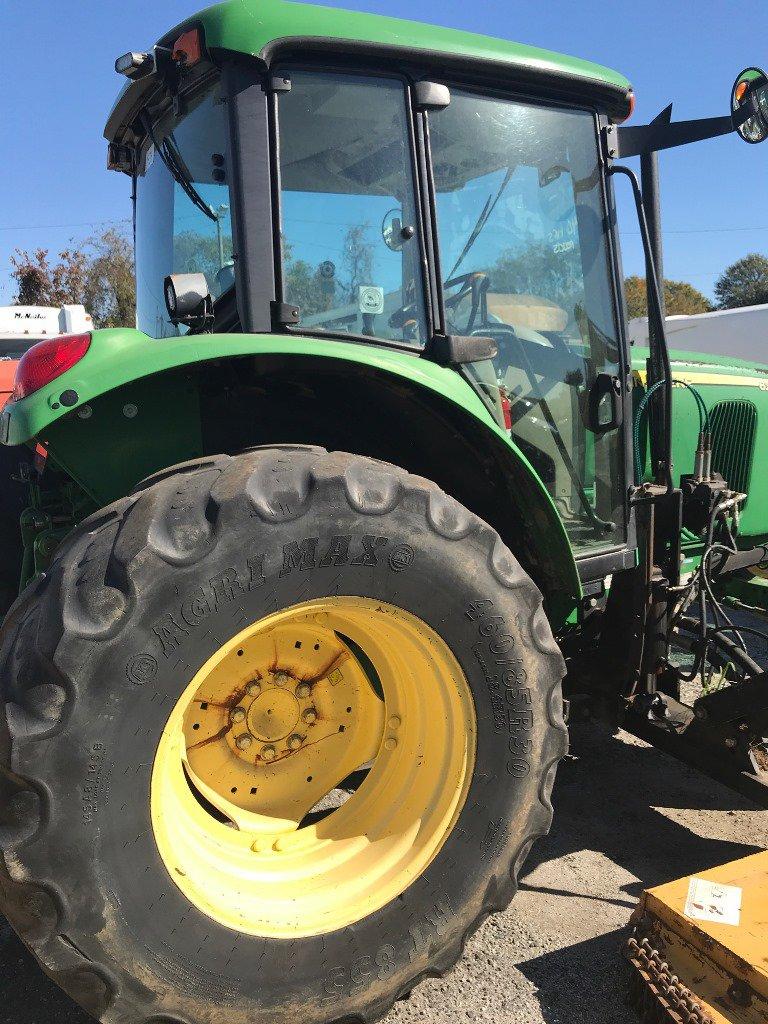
column 273, row 714
column 247, row 808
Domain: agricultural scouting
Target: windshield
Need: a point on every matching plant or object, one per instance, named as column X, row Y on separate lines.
column 522, row 246
column 349, row 238
column 183, row 229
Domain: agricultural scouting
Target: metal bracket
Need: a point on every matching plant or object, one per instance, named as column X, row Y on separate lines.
column 120, row 158
column 454, row 349
column 284, row 314
column 610, row 142
column 278, row 83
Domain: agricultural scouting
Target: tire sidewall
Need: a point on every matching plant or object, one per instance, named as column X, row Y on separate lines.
column 123, row 906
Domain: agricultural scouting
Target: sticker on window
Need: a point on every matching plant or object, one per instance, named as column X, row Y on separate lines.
column 371, row 299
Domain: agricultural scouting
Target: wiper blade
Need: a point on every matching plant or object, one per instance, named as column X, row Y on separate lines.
column 171, row 157
column 482, row 220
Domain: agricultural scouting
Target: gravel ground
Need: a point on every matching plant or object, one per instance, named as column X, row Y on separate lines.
column 626, row 817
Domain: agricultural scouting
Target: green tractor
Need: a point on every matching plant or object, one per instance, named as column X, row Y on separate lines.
column 307, row 556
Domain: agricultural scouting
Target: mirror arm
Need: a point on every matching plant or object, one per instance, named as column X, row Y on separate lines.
column 663, row 133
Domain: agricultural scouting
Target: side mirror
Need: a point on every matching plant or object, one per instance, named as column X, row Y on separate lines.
column 394, row 233
column 749, row 105
column 188, row 300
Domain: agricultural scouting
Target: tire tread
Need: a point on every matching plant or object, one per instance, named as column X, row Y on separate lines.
column 88, row 591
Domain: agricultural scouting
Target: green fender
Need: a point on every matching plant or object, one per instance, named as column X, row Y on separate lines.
column 124, row 371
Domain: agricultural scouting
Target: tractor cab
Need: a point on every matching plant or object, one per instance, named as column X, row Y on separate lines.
column 354, row 196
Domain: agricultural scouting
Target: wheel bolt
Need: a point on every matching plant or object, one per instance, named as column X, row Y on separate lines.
column 390, row 743
column 303, row 690
column 254, row 689
column 243, row 742
column 238, row 715
column 295, row 741
column 268, row 753
column 309, row 716
column 281, row 678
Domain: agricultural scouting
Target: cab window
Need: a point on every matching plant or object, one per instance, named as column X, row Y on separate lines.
column 350, row 251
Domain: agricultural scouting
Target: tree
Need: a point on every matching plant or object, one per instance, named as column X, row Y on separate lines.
column 110, row 287
column 97, row 273
column 680, row 298
column 41, row 283
column 744, row 283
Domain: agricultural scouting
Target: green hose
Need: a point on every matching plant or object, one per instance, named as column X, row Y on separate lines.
column 700, row 405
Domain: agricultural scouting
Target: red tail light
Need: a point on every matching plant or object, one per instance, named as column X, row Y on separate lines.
column 46, row 361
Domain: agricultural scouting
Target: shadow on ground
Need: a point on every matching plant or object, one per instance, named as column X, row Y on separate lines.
column 621, row 800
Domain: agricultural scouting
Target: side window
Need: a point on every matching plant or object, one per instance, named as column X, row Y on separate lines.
column 183, row 230
column 349, row 239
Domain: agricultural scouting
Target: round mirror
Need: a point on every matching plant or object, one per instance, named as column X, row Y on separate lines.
column 749, row 105
column 394, row 233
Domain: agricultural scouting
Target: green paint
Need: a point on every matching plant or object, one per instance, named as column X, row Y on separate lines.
column 107, row 449
column 248, row 26
column 727, row 379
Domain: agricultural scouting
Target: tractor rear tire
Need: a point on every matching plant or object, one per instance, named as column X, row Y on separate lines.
column 96, row 655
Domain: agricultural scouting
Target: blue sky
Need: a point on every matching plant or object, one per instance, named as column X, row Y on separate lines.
column 57, row 85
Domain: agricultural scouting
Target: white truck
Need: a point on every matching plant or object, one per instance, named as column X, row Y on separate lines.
column 739, row 333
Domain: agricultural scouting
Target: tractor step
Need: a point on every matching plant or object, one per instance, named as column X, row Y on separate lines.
column 699, row 947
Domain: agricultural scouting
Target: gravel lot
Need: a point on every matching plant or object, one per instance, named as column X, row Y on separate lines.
column 626, row 817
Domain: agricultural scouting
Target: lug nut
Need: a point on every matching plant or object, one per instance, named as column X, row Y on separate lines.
column 254, row 689
column 310, row 716
column 238, row 715
column 295, row 741
column 268, row 753
column 390, row 743
column 243, row 742
column 303, row 690
column 282, row 678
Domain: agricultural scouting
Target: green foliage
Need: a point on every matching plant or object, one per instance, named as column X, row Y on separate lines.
column 744, row 283
column 680, row 297
column 97, row 273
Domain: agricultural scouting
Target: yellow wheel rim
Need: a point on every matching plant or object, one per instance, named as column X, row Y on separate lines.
column 249, row 765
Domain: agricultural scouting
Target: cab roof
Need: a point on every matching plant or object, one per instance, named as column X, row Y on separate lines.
column 267, row 29
column 253, row 26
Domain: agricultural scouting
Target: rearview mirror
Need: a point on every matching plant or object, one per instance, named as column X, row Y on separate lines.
column 749, row 105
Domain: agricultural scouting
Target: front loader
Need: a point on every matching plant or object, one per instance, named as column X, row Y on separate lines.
column 308, row 553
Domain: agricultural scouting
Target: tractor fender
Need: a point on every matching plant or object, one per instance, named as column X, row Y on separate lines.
column 134, row 405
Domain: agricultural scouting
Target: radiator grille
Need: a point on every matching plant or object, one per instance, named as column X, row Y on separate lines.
column 733, row 426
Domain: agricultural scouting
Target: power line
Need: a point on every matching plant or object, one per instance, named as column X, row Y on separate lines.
column 49, row 227
column 698, row 231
